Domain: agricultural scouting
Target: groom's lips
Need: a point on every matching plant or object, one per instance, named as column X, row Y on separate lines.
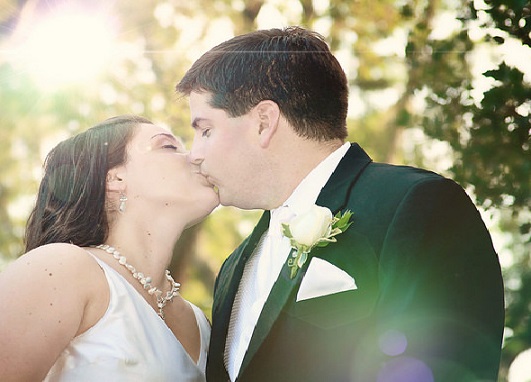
column 214, row 185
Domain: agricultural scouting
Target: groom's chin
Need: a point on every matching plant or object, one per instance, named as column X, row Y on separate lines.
column 232, row 200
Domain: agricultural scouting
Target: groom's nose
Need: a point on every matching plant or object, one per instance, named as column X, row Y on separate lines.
column 194, row 159
column 195, row 155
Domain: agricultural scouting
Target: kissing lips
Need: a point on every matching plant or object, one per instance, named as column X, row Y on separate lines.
column 206, row 180
column 212, row 184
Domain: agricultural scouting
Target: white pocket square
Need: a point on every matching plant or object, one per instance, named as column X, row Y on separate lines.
column 323, row 278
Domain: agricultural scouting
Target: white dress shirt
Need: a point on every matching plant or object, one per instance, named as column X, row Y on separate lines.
column 267, row 260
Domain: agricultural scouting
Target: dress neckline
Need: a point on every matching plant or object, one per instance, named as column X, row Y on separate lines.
column 154, row 313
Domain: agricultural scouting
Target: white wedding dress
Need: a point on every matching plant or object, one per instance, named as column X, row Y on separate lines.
column 130, row 343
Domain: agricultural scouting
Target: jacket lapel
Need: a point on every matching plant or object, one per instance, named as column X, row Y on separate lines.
column 334, row 196
column 336, row 192
column 226, row 289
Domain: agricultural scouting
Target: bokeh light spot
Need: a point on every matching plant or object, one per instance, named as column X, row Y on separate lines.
column 405, row 369
column 393, row 343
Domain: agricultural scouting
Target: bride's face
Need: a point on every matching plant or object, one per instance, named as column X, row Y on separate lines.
column 160, row 177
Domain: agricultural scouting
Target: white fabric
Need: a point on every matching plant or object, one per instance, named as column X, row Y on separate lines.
column 245, row 305
column 268, row 257
column 267, row 260
column 130, row 343
column 306, row 193
column 273, row 254
column 323, row 278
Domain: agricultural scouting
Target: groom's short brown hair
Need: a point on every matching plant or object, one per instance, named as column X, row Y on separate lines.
column 292, row 67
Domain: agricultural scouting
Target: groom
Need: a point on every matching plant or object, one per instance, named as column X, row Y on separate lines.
column 411, row 288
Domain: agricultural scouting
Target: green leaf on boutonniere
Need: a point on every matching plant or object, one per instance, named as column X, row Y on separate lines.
column 343, row 220
column 314, row 228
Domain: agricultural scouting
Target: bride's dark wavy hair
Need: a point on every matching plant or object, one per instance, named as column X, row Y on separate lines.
column 71, row 202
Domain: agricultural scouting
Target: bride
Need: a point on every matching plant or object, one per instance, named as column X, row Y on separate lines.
column 91, row 299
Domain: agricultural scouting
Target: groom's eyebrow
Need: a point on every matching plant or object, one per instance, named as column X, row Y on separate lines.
column 197, row 121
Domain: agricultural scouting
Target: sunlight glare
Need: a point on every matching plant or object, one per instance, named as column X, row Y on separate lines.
column 66, row 47
column 520, row 369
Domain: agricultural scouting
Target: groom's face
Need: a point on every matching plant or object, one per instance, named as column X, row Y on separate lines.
column 226, row 150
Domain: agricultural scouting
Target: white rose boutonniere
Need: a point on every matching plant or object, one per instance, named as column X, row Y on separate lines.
column 314, row 228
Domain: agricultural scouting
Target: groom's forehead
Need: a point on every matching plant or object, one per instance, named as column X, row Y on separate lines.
column 202, row 112
column 200, row 102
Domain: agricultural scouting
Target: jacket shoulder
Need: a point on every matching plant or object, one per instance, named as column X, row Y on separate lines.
column 394, row 182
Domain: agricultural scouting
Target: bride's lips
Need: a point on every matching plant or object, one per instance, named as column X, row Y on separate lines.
column 205, row 178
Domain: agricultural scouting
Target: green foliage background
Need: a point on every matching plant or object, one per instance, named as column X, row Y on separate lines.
column 416, row 99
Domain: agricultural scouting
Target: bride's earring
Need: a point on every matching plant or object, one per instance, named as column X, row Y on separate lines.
column 123, row 199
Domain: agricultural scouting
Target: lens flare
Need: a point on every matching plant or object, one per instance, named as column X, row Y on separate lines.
column 65, row 46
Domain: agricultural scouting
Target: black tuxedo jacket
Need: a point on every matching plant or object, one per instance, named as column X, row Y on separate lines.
column 429, row 299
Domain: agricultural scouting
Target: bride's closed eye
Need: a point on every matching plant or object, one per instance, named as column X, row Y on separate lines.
column 166, row 141
column 173, row 147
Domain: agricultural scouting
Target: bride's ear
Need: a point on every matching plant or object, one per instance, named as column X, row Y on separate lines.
column 269, row 116
column 115, row 180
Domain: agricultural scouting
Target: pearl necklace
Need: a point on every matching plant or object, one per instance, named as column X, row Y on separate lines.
column 146, row 280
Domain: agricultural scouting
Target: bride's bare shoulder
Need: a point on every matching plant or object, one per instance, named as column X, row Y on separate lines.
column 60, row 257
column 49, row 295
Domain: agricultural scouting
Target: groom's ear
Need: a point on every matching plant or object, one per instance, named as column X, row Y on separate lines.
column 269, row 116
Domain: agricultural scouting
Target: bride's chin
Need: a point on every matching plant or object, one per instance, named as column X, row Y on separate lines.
column 214, row 193
column 215, row 204
column 207, row 206
column 200, row 217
